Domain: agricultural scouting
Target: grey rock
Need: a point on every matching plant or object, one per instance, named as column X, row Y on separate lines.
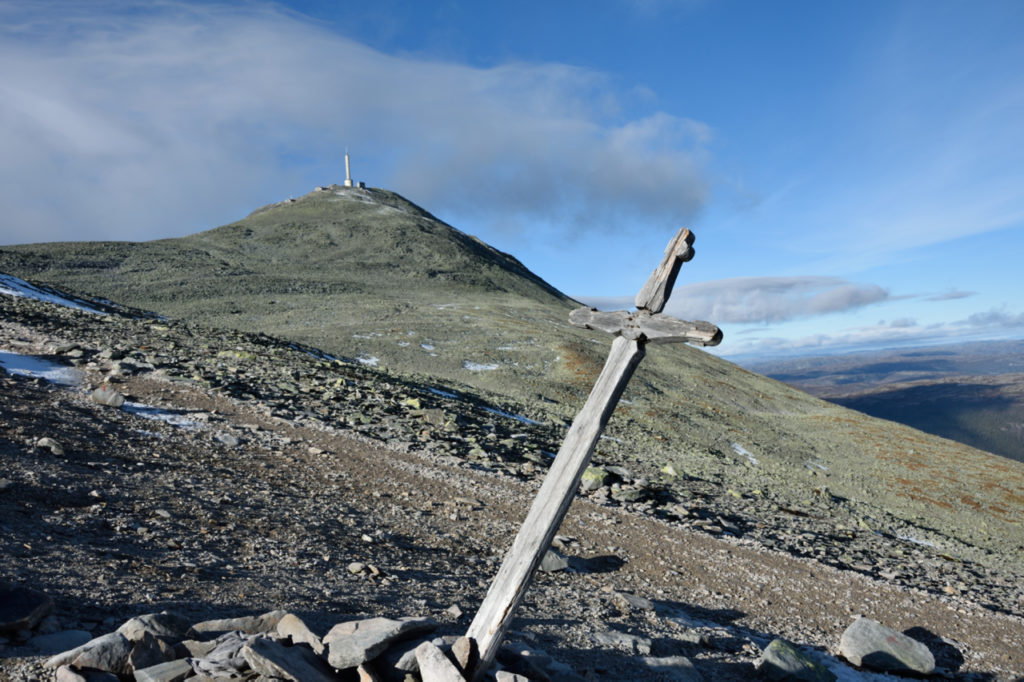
column 109, row 652
column 868, row 643
column 506, row 676
column 677, row 668
column 50, row 444
column 398, row 659
column 22, row 608
column 48, row 645
column 105, row 395
column 191, row 648
column 273, row 659
column 164, row 624
column 148, row 651
column 780, row 660
column 524, row 660
column 66, row 673
column 114, row 641
column 466, row 654
column 292, row 626
column 226, row 658
column 171, row 671
column 553, row 561
column 354, row 642
column 227, row 439
column 621, row 472
column 250, row 625
column 435, row 666
column 593, row 478
column 634, row 644
column 627, row 601
column 627, row 494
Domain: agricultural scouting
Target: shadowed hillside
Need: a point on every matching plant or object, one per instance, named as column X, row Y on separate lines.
column 972, row 393
column 368, row 276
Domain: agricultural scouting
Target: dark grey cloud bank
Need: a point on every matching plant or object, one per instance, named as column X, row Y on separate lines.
column 134, row 121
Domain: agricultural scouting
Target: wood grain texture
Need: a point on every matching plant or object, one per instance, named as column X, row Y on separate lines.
column 659, row 285
column 647, row 328
column 552, row 502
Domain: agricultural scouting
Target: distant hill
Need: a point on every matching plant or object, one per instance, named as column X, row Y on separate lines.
column 972, row 393
column 368, row 276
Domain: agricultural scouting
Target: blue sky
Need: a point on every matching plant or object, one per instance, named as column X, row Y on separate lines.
column 853, row 171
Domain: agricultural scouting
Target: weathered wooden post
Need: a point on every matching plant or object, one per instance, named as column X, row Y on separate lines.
column 633, row 331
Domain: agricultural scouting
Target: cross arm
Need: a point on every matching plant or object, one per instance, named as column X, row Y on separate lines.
column 645, row 327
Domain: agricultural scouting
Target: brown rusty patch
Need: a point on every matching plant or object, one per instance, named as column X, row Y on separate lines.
column 970, row 502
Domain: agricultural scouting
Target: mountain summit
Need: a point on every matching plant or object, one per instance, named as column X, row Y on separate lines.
column 367, row 276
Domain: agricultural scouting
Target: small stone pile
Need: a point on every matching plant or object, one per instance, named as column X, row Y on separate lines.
column 166, row 647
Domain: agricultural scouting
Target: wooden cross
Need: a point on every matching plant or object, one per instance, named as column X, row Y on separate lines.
column 632, row 332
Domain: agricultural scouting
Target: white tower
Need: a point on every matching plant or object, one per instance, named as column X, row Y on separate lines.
column 348, row 172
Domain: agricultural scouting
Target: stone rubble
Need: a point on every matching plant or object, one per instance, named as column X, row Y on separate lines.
column 162, row 647
column 185, row 500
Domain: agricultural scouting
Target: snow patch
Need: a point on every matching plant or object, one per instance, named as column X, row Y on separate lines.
column 740, row 450
column 517, row 417
column 426, row 346
column 445, row 394
column 40, row 368
column 911, row 538
column 179, row 419
column 12, row 286
column 478, row 367
column 368, row 360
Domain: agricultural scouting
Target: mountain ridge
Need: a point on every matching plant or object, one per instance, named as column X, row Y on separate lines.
column 351, row 279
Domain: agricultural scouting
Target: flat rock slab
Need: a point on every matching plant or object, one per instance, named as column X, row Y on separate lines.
column 109, row 652
column 292, row 626
column 780, row 660
column 250, row 625
column 67, row 673
column 165, row 625
column 352, row 643
column 275, row 660
column 677, row 668
column 868, row 643
column 171, row 671
column 22, row 608
column 48, row 645
column 634, row 644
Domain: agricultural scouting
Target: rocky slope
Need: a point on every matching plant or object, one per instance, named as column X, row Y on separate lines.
column 366, row 275
column 249, row 473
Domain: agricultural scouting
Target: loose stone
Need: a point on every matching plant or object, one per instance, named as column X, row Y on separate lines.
column 780, row 660
column 870, row 644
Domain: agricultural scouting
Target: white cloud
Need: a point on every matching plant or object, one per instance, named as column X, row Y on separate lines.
column 127, row 121
column 991, row 324
column 760, row 299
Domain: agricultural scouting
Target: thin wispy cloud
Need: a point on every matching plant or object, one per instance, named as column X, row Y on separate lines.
column 131, row 122
column 951, row 295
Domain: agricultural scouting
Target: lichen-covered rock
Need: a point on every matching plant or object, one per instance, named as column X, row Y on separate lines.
column 780, row 660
